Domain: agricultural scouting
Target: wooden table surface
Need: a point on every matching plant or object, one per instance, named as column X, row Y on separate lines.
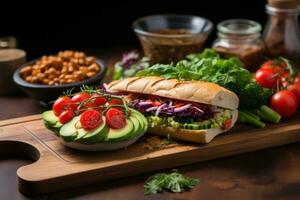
column 268, row 174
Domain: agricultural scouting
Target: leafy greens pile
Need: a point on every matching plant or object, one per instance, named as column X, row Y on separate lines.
column 131, row 63
column 174, row 182
column 208, row 66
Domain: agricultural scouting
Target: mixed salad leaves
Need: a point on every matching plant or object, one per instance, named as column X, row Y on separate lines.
column 130, row 64
column 208, row 66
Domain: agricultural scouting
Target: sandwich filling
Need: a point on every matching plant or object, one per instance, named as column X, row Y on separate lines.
column 166, row 112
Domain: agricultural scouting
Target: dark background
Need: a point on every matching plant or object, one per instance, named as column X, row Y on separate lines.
column 45, row 27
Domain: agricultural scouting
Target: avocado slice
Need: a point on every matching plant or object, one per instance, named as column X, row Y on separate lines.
column 51, row 121
column 92, row 136
column 137, row 127
column 141, row 118
column 69, row 131
column 136, row 124
column 116, row 135
column 141, row 122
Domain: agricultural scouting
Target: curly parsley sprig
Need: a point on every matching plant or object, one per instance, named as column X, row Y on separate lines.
column 173, row 182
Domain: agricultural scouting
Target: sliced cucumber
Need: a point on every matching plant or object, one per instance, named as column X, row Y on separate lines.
column 49, row 117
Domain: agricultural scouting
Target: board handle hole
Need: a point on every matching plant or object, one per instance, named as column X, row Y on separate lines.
column 19, row 149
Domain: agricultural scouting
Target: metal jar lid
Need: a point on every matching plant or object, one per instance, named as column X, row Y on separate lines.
column 284, row 4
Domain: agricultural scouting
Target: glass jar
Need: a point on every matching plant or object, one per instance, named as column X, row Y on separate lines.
column 240, row 38
column 8, row 42
column 281, row 34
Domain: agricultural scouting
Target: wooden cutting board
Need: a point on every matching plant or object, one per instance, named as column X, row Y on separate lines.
column 58, row 167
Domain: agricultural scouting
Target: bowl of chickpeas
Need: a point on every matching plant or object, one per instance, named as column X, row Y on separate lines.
column 46, row 78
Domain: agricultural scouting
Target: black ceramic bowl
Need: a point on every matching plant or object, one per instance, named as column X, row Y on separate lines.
column 44, row 94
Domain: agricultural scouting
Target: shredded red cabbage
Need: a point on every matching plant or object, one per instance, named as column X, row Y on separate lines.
column 196, row 111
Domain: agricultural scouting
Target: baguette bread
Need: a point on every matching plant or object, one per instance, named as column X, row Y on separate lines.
column 195, row 91
column 197, row 136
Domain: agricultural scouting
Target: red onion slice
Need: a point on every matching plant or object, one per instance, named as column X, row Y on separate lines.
column 160, row 108
column 198, row 109
column 151, row 109
column 144, row 103
column 182, row 108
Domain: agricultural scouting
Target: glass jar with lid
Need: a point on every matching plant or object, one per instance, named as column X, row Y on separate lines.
column 240, row 38
column 282, row 33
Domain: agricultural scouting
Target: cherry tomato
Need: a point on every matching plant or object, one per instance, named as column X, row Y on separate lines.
column 156, row 103
column 179, row 104
column 66, row 116
column 79, row 98
column 275, row 65
column 266, row 78
column 227, row 124
column 115, row 102
column 297, row 79
column 61, row 104
column 90, row 119
column 99, row 101
column 295, row 89
column 285, row 103
column 115, row 118
column 284, row 83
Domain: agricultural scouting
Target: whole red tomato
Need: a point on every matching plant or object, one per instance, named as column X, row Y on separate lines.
column 267, row 78
column 285, row 103
column 295, row 89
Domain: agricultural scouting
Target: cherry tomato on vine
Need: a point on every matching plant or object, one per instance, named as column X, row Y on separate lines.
column 297, row 79
column 80, row 97
column 61, row 104
column 266, row 78
column 115, row 102
column 66, row 116
column 90, row 119
column 99, row 100
column 285, row 103
column 295, row 89
column 275, row 65
column 115, row 118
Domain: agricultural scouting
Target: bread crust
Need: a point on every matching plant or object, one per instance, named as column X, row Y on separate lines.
column 197, row 136
column 195, row 91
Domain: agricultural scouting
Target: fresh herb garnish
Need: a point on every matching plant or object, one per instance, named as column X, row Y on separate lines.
column 208, row 66
column 173, row 182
